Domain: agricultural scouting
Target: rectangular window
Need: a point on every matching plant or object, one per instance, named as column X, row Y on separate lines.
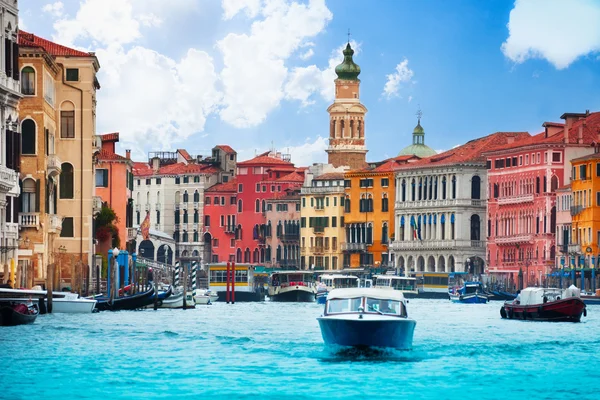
column 347, row 183
column 272, row 188
column 49, row 95
column 556, row 158
column 186, row 179
column 526, row 159
column 72, row 75
column 514, row 161
column 148, row 182
column 232, row 243
column 207, row 201
column 67, row 124
column 67, row 227
column 597, row 169
column 539, row 158
column 257, row 187
column 520, row 160
column 158, row 181
column 101, row 178
column 597, row 198
column 582, row 172
column 297, row 206
column 334, row 222
column 177, row 180
column 232, row 200
column 508, row 162
column 385, row 182
column 222, row 200
column 499, row 163
column 303, row 222
column 488, row 164
column 240, row 187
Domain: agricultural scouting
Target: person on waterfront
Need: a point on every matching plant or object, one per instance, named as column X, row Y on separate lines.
column 150, row 276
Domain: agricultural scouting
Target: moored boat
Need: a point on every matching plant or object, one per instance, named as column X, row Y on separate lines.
column 293, row 286
column 546, row 304
column 12, row 314
column 367, row 317
column 176, row 301
column 62, row 302
column 205, row 297
column 133, row 302
column 404, row 284
column 469, row 293
column 328, row 282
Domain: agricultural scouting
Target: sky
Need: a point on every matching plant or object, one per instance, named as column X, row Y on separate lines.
column 258, row 74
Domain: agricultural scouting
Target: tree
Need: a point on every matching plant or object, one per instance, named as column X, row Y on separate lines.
column 105, row 227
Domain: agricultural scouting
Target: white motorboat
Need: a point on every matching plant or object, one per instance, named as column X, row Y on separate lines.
column 367, row 317
column 205, row 297
column 334, row 281
column 62, row 302
column 298, row 286
column 405, row 284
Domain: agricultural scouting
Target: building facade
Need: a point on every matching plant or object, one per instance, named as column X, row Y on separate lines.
column 347, row 117
column 220, row 221
column 523, row 178
column 282, row 232
column 564, row 202
column 58, row 115
column 322, row 218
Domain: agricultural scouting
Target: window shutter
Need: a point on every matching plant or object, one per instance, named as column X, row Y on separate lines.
column 46, row 142
column 105, row 178
column 9, row 151
column 15, row 61
column 47, row 197
column 8, row 57
column 37, row 196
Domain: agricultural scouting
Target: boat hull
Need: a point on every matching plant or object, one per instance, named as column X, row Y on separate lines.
column 243, row 296
column 474, row 298
column 591, row 300
column 176, row 301
column 298, row 295
column 11, row 317
column 321, row 297
column 134, row 302
column 394, row 333
column 564, row 310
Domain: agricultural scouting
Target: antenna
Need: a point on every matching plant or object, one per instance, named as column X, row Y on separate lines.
column 348, row 35
column 419, row 113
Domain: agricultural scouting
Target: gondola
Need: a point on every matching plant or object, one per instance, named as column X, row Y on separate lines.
column 133, row 302
column 12, row 314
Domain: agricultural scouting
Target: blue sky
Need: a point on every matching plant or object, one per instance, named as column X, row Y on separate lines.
column 252, row 73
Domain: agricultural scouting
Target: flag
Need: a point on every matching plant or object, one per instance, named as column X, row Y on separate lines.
column 415, row 228
column 145, row 227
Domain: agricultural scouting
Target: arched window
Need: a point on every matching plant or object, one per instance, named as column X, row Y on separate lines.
column 185, row 216
column 185, row 196
column 247, row 255
column 176, row 236
column 240, row 205
column 278, row 253
column 403, row 196
column 195, row 236
column 28, row 81
column 196, row 216
column 384, row 204
column 476, row 187
column 384, row 233
column 238, row 255
column 28, row 137
column 255, row 256
column 264, row 206
column 29, row 197
column 196, row 197
column 347, row 205
column 454, row 187
column 66, row 181
column 475, row 234
column 206, row 219
column 257, row 206
column 185, row 236
column 177, row 197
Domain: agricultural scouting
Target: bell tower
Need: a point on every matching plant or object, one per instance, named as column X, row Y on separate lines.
column 347, row 117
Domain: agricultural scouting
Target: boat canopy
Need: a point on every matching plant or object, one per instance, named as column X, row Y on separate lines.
column 375, row 293
column 534, row 295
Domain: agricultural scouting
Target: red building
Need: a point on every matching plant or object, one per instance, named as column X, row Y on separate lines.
column 523, row 177
column 220, row 221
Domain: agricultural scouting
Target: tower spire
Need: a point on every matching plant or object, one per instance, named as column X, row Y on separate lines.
column 419, row 114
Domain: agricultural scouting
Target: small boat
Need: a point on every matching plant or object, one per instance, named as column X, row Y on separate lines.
column 469, row 293
column 367, row 317
column 165, row 294
column 12, row 314
column 500, row 295
column 62, row 302
column 133, row 302
column 546, row 304
column 297, row 286
column 205, row 297
column 334, row 281
column 176, row 301
column 591, row 298
column 405, row 284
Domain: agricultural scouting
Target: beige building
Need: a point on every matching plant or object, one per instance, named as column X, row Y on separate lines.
column 322, row 218
column 58, row 123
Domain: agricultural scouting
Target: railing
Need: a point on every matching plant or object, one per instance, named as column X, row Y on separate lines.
column 229, row 228
column 131, row 234
column 289, row 237
column 177, row 207
column 319, row 207
column 147, row 207
column 196, row 205
column 436, row 244
column 195, row 226
column 574, row 248
column 441, row 203
column 29, row 220
column 576, row 210
column 524, row 198
column 289, row 263
column 12, row 230
column 318, row 229
column 354, row 247
column 318, row 249
column 96, row 204
column 53, row 164
column 157, row 207
column 177, row 227
column 184, row 206
column 514, row 239
column 322, row 190
column 55, row 223
column 137, row 207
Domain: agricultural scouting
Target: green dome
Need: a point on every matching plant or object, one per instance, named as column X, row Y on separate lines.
column 348, row 70
column 419, row 129
column 419, row 150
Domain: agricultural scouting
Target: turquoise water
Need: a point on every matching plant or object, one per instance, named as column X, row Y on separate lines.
column 274, row 350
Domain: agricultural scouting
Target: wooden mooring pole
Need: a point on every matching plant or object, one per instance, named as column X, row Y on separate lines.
column 49, row 286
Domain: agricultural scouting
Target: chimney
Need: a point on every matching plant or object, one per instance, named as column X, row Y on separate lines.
column 155, row 163
column 510, row 139
column 580, row 134
column 128, row 154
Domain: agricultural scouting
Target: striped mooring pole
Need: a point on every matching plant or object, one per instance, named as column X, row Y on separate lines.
column 194, row 270
column 176, row 280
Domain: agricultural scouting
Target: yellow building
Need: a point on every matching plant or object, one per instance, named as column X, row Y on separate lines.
column 585, row 211
column 57, row 116
column 322, row 220
column 369, row 213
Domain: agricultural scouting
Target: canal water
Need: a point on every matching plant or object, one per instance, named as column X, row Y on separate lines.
column 275, row 351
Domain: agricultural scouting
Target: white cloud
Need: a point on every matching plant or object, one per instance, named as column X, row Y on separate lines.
column 232, row 7
column 403, row 74
column 22, row 24
column 305, row 154
column 309, row 53
column 305, row 82
column 56, row 9
column 410, row 98
column 553, row 30
column 254, row 64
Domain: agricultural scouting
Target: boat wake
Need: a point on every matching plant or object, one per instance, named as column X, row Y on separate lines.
column 371, row 354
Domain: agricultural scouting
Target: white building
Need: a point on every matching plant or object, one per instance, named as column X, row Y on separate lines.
column 440, row 211
column 170, row 187
column 9, row 136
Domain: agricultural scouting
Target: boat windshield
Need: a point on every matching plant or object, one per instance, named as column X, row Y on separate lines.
column 336, row 306
column 392, row 307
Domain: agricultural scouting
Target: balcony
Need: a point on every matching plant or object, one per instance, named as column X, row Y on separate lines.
column 318, row 250
column 184, row 206
column 55, row 223
column 157, row 207
column 229, row 228
column 403, row 205
column 29, row 220
column 96, row 204
column 53, row 165
column 96, row 143
column 289, row 263
column 12, row 230
column 137, row 208
column 402, row 245
column 8, row 179
column 354, row 247
column 196, row 205
column 131, row 234
column 524, row 198
column 574, row 249
column 290, row 237
column 576, row 210
column 147, row 207
column 514, row 239
column 195, row 226
column 322, row 190
column 319, row 229
column 319, row 207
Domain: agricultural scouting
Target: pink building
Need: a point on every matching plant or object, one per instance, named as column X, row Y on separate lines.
column 523, row 177
column 283, row 227
column 220, row 221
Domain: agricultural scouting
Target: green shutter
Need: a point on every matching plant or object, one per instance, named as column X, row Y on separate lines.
column 105, row 178
column 37, row 196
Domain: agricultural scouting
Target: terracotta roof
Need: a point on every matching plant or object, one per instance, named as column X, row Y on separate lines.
column 104, row 155
column 593, row 156
column 227, row 149
column 110, row 137
column 265, row 159
column 292, row 177
column 329, row 176
column 564, row 188
column 30, row 40
column 469, row 152
column 229, row 187
column 185, row 154
column 143, row 169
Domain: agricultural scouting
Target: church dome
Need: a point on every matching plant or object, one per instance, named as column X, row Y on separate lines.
column 418, row 148
column 348, row 70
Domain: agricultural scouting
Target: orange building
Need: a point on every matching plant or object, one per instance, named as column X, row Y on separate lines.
column 369, row 213
column 114, row 184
